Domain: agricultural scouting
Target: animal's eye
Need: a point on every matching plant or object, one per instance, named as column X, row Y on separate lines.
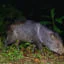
column 53, row 36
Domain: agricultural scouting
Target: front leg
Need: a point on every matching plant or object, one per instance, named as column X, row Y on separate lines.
column 39, row 46
column 5, row 43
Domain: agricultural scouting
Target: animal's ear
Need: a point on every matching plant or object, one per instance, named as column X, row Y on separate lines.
column 9, row 31
column 12, row 26
column 50, row 32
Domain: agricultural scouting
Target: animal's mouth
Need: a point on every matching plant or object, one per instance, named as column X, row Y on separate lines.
column 58, row 51
column 61, row 52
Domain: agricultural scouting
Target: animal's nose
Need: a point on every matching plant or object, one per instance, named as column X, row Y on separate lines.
column 62, row 51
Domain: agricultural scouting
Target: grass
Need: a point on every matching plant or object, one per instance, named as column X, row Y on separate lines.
column 12, row 55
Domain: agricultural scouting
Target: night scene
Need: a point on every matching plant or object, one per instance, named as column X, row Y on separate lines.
column 31, row 32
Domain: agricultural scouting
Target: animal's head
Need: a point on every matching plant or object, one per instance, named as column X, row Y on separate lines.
column 50, row 39
column 54, row 43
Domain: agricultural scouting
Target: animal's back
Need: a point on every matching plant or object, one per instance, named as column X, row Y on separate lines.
column 25, row 32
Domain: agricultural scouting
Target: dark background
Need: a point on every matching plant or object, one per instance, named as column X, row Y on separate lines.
column 37, row 9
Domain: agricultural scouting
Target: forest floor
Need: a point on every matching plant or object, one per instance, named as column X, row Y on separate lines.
column 30, row 58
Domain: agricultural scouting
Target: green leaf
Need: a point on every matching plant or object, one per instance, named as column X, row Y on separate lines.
column 60, row 20
column 57, row 29
column 45, row 22
column 52, row 13
column 27, row 44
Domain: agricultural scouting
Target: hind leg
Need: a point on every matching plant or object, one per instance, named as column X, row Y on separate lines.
column 17, row 44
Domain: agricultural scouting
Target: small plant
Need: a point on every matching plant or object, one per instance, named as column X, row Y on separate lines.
column 13, row 54
column 38, row 55
column 54, row 20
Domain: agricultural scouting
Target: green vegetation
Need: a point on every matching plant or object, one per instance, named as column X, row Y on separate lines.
column 54, row 20
column 25, row 55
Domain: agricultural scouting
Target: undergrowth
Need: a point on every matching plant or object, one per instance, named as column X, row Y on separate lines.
column 11, row 53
